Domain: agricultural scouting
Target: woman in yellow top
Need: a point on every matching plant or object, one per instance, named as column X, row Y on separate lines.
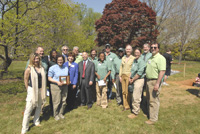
column 124, row 75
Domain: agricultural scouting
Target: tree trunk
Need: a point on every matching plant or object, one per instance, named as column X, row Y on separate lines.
column 6, row 62
column 180, row 57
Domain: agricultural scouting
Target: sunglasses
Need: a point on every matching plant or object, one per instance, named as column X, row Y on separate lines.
column 65, row 49
column 154, row 47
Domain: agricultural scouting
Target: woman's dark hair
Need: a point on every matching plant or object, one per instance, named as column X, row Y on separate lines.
column 72, row 54
column 91, row 52
column 139, row 49
column 58, row 56
column 51, row 52
column 100, row 54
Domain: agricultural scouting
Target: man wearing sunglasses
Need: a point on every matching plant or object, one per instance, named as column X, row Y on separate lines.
column 155, row 71
column 65, row 50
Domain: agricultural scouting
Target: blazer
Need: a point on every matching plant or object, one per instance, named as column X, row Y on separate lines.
column 89, row 72
column 73, row 72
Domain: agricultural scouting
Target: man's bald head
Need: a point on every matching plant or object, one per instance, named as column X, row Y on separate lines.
column 85, row 55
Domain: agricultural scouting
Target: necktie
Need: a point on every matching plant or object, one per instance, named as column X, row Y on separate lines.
column 144, row 57
column 83, row 75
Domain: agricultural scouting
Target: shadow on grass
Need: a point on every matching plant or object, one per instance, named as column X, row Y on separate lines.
column 193, row 91
column 47, row 113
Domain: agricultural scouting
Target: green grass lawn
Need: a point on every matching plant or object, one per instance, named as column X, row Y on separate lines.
column 179, row 110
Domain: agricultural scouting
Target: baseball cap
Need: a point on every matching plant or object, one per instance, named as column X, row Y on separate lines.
column 107, row 45
column 121, row 49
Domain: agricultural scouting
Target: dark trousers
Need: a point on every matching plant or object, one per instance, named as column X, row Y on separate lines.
column 71, row 98
column 86, row 94
column 93, row 90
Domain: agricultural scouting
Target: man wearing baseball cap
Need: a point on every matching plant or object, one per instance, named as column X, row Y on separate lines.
column 110, row 56
column 115, row 75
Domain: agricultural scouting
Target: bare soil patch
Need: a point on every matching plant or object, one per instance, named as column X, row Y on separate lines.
column 177, row 92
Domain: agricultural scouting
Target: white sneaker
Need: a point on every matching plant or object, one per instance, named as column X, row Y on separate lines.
column 164, row 83
column 61, row 116
column 57, row 118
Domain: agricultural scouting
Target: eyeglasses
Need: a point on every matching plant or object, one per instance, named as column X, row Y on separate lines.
column 154, row 47
column 65, row 49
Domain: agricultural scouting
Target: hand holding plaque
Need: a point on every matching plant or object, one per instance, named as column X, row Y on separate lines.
column 65, row 80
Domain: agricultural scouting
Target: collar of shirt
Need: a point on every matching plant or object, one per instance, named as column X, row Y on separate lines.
column 153, row 56
column 85, row 61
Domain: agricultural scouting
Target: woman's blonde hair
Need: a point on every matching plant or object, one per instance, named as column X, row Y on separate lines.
column 32, row 58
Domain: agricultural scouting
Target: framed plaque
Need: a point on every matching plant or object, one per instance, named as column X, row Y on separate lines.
column 64, row 79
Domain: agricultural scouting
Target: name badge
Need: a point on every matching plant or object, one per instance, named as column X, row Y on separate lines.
column 110, row 58
column 149, row 62
column 72, row 65
column 99, row 64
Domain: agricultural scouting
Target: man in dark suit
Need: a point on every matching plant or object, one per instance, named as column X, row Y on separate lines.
column 86, row 78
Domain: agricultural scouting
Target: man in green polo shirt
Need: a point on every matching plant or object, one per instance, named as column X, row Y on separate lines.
column 146, row 54
column 78, row 57
column 115, row 75
column 155, row 71
column 110, row 56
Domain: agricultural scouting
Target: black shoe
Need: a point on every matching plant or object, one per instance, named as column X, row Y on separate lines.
column 89, row 107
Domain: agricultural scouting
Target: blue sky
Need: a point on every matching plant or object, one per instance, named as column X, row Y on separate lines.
column 97, row 5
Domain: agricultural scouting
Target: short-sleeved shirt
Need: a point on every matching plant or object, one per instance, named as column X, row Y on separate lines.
column 116, row 66
column 102, row 69
column 94, row 60
column 90, row 58
column 146, row 56
column 138, row 67
column 55, row 71
column 111, row 57
column 155, row 64
column 168, row 58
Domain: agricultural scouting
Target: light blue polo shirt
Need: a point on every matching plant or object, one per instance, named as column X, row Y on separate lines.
column 55, row 71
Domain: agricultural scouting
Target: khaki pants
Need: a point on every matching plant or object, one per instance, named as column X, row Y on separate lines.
column 126, row 99
column 59, row 96
column 153, row 102
column 137, row 94
column 101, row 95
column 29, row 108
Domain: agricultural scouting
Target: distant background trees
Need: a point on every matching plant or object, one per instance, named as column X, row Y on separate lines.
column 48, row 23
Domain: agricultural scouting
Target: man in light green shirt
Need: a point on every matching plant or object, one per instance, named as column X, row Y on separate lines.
column 78, row 57
column 115, row 75
column 110, row 56
column 155, row 71
column 146, row 54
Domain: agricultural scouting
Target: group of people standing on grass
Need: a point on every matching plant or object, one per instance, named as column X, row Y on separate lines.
column 94, row 77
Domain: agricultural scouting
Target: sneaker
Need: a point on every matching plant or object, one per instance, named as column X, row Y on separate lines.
column 57, row 118
column 132, row 116
column 164, row 83
column 149, row 122
column 62, row 116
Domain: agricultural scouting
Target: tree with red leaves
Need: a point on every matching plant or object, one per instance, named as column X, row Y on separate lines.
column 126, row 22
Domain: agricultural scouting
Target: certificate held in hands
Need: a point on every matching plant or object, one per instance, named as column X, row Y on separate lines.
column 101, row 83
column 64, row 79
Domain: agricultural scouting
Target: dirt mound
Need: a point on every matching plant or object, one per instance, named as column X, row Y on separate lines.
column 183, row 83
